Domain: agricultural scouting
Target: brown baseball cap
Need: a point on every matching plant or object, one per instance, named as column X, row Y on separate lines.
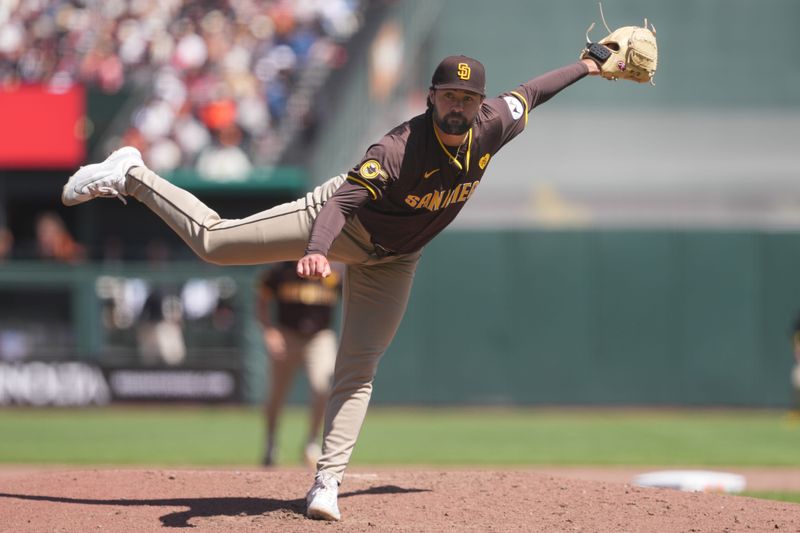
column 460, row 72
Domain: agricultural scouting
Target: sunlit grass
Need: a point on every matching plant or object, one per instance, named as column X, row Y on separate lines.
column 227, row 436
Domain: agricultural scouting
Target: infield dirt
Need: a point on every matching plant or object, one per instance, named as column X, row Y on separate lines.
column 371, row 500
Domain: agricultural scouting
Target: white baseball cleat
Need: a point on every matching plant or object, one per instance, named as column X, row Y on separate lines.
column 105, row 179
column 321, row 499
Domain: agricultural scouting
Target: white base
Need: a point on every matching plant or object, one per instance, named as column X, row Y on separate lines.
column 692, row 481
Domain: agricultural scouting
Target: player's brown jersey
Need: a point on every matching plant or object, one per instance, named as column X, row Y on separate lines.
column 303, row 305
column 418, row 185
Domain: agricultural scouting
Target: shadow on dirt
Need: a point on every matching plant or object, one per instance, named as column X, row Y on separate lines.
column 208, row 507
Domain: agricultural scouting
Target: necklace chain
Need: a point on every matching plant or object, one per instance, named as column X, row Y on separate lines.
column 454, row 159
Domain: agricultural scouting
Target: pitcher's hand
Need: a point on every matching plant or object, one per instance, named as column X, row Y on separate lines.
column 314, row 266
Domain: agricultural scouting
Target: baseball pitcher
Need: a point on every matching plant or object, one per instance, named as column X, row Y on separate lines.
column 376, row 218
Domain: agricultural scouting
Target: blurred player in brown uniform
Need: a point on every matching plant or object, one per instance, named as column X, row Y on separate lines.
column 376, row 219
column 296, row 315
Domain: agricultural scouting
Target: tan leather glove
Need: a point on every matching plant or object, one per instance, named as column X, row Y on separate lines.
column 627, row 53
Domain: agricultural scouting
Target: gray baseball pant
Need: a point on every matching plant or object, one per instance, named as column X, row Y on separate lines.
column 375, row 291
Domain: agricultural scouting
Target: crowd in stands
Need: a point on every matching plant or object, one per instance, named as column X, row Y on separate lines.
column 213, row 76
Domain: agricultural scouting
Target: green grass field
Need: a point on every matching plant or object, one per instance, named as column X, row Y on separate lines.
column 160, row 435
column 225, row 437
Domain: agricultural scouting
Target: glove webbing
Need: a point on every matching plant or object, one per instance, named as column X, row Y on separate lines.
column 598, row 52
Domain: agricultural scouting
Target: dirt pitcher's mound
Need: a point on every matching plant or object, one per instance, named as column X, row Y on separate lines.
column 370, row 500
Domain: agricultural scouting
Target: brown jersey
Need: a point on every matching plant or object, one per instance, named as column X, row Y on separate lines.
column 303, row 305
column 409, row 186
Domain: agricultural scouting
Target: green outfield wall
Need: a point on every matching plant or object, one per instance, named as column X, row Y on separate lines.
column 606, row 317
column 599, row 317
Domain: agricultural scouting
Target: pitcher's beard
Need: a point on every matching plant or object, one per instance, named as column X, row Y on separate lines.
column 453, row 127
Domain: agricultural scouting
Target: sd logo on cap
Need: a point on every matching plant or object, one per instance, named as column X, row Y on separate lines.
column 460, row 72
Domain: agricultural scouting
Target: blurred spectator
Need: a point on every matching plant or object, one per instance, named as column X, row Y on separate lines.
column 205, row 65
column 159, row 331
column 54, row 242
column 224, row 160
